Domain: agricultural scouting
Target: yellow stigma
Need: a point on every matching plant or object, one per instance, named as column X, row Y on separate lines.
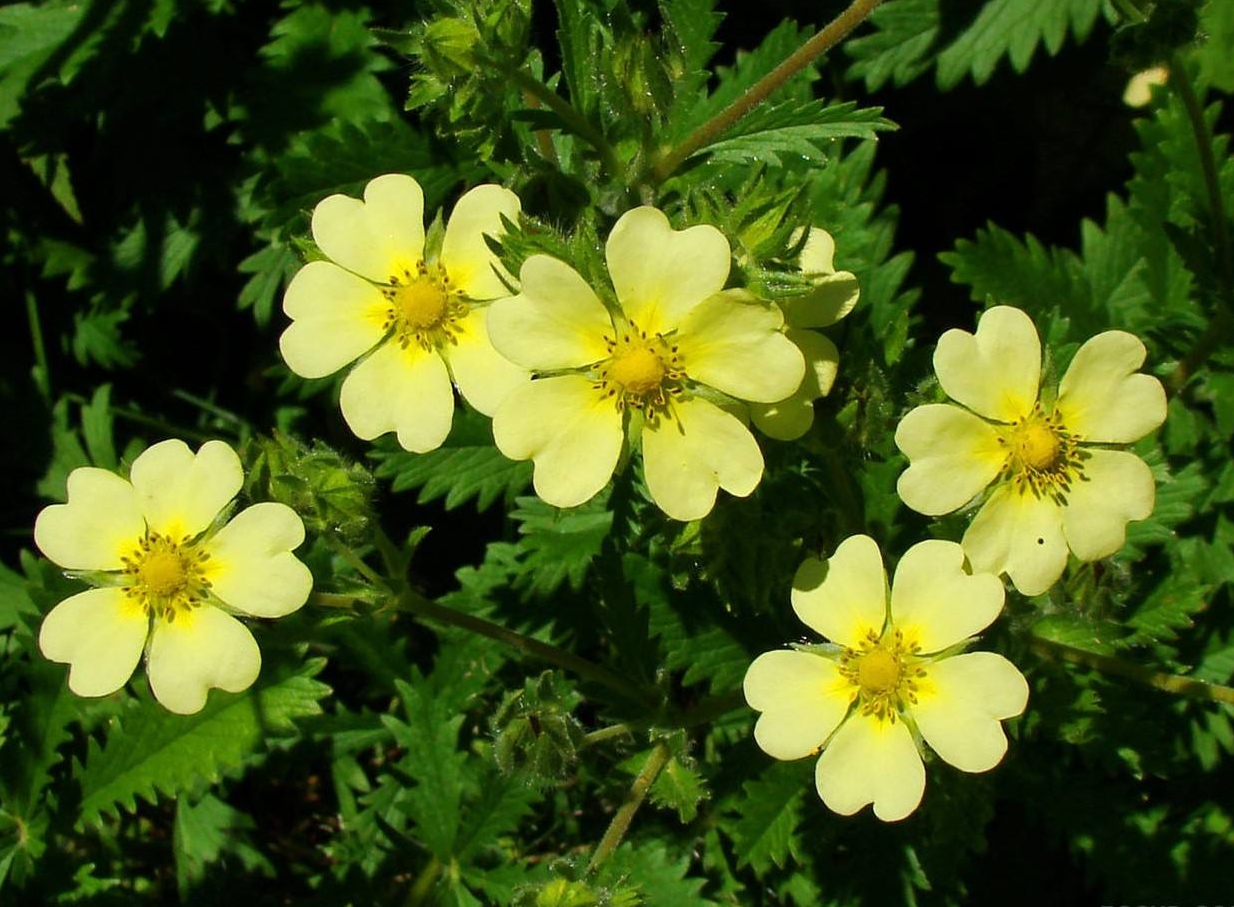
column 164, row 576
column 878, row 672
column 1037, row 445
column 423, row 307
column 884, row 672
column 163, row 572
column 1042, row 456
column 642, row 372
column 422, row 304
column 638, row 370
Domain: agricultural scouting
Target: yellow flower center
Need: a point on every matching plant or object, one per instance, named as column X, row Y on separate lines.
column 163, row 572
column 639, row 370
column 423, row 307
column 1042, row 455
column 422, row 304
column 165, row 577
column 884, row 673
column 878, row 672
column 642, row 371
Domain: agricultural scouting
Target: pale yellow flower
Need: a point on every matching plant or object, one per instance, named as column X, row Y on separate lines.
column 170, row 574
column 1139, row 90
column 1057, row 485
column 833, row 295
column 890, row 677
column 416, row 324
column 655, row 371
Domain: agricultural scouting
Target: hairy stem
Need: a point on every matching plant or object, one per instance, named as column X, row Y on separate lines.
column 829, row 37
column 1220, row 326
column 414, row 603
column 42, row 370
column 1116, row 667
column 575, row 121
column 617, row 829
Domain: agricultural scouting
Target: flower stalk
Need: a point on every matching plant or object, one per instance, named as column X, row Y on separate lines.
column 617, row 829
column 1117, row 667
column 414, row 603
column 829, row 37
column 1220, row 326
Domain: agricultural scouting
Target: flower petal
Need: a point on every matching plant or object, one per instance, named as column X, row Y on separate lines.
column 404, row 390
column 733, row 343
column 818, row 253
column 935, row 602
column 832, row 297
column 803, row 699
column 659, row 273
column 996, row 371
column 470, row 264
column 960, row 702
column 251, row 568
column 702, row 449
column 181, row 492
column 953, row 455
column 792, row 417
column 844, row 597
column 378, row 238
column 573, row 434
column 871, row 761
column 97, row 527
column 1102, row 398
column 556, row 322
column 1020, row 535
column 201, row 649
column 1117, row 486
column 484, row 376
column 336, row 318
column 100, row 633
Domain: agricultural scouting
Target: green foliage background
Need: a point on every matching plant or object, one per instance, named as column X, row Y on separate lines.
column 159, row 159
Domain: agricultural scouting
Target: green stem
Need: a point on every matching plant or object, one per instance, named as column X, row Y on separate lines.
column 708, row 710
column 607, row 733
column 212, row 408
column 346, row 552
column 575, row 121
column 42, row 370
column 1116, row 667
column 831, row 35
column 163, row 426
column 634, row 799
column 414, row 603
column 423, row 886
column 1219, row 328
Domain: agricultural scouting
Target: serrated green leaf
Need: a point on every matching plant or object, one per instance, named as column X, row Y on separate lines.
column 1215, row 61
column 497, row 810
column 1014, row 29
column 204, row 831
column 466, row 467
column 999, row 267
column 435, row 706
column 29, row 34
column 691, row 25
column 767, row 814
column 1081, row 632
column 558, row 546
column 153, row 752
column 794, row 130
column 900, row 48
column 652, row 872
column 272, row 268
column 96, row 429
column 680, row 788
column 732, row 82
